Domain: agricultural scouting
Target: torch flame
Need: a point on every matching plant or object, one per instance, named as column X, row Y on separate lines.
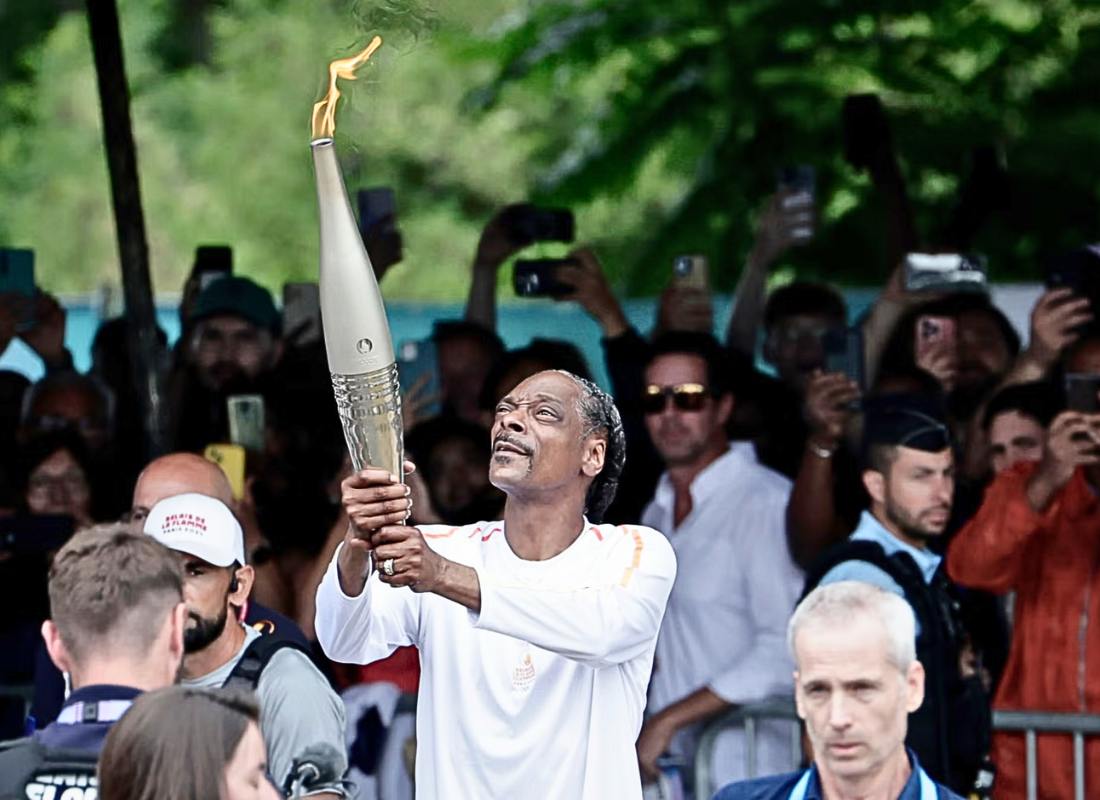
column 324, row 113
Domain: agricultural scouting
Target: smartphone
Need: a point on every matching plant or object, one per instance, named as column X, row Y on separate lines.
column 375, row 205
column 246, row 422
column 418, row 368
column 17, row 277
column 528, row 224
column 866, row 128
column 1083, row 392
column 302, row 313
column 231, row 458
column 934, row 333
column 34, row 533
column 691, row 272
column 799, row 184
column 1078, row 270
column 211, row 263
column 945, row 272
column 535, row 278
column 843, row 349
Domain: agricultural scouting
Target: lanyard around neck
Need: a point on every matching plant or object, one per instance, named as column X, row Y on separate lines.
column 927, row 787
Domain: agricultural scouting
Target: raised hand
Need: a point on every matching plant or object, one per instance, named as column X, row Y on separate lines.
column 685, row 309
column 592, row 291
column 47, row 335
column 372, row 498
column 1055, row 321
column 788, row 220
column 829, row 399
column 402, row 551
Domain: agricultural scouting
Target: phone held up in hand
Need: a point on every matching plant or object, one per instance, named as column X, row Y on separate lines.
column 418, row 370
column 1083, row 393
column 231, row 458
column 528, row 224
column 536, row 277
column 302, row 313
column 934, row 334
column 17, row 278
column 798, row 183
column 211, row 263
column 843, row 351
column 945, row 272
column 691, row 272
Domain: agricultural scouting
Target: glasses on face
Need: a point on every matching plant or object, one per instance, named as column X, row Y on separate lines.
column 71, row 483
column 685, row 396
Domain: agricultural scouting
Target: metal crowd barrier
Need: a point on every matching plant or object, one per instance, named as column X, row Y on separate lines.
column 1030, row 723
column 746, row 718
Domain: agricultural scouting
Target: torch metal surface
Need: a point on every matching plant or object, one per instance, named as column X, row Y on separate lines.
column 357, row 333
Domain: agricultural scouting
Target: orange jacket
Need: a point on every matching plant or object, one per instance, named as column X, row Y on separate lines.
column 1052, row 561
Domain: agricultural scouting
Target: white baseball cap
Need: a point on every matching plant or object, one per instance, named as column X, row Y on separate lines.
column 199, row 526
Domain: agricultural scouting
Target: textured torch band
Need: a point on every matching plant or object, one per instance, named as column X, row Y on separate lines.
column 369, row 405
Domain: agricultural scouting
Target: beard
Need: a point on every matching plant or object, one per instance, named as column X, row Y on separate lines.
column 205, row 631
column 911, row 525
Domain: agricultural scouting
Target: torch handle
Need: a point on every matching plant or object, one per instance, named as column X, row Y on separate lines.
column 369, row 405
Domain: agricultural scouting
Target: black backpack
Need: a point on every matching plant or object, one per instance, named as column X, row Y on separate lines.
column 246, row 675
column 952, row 730
column 29, row 769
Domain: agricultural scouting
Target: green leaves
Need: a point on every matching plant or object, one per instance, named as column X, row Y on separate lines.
column 725, row 93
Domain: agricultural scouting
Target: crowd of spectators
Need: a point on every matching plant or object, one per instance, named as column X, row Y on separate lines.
column 953, row 469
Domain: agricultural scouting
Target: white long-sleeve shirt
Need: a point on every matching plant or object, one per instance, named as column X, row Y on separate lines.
column 726, row 624
column 541, row 694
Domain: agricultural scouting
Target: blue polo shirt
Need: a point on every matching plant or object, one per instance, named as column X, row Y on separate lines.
column 871, row 530
column 779, row 787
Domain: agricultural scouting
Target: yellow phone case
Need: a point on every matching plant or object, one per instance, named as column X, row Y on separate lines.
column 230, row 457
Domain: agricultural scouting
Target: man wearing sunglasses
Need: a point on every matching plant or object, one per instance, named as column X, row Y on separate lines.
column 722, row 641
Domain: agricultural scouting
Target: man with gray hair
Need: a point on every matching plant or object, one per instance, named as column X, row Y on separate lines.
column 856, row 681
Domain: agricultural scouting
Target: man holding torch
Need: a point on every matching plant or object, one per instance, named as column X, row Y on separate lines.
column 536, row 633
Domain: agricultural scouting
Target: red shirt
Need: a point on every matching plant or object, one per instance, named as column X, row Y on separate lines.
column 1052, row 561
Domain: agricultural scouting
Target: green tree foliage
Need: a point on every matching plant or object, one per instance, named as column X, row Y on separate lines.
column 223, row 138
column 718, row 95
column 661, row 124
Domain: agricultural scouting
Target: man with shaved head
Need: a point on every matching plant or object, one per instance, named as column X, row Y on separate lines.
column 179, row 473
column 537, row 632
column 168, row 476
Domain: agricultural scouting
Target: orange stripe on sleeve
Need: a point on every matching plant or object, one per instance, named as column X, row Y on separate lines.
column 638, row 545
column 438, row 535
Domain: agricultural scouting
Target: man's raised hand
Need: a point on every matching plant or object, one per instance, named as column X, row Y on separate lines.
column 372, row 499
column 412, row 562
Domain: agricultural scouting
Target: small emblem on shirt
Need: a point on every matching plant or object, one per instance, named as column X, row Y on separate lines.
column 523, row 676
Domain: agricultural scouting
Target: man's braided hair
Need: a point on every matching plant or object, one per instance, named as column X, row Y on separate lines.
column 599, row 414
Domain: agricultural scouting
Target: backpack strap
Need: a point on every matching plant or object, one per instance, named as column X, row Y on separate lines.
column 256, row 657
column 921, row 596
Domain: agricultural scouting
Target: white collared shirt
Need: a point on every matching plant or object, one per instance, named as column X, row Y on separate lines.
column 725, row 626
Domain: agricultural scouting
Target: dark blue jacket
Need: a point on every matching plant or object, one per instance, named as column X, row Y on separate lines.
column 84, row 735
column 779, row 787
column 49, row 683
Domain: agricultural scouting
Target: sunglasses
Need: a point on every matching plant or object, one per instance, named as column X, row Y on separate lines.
column 685, row 396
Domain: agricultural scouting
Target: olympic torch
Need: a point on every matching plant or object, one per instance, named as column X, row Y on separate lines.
column 357, row 335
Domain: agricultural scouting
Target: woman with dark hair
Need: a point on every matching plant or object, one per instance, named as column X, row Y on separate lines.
column 181, row 743
column 55, row 477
